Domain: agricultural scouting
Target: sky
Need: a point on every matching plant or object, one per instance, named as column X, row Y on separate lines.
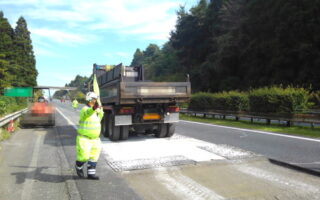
column 68, row 36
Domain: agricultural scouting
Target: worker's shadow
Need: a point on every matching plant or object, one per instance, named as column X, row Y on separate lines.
column 37, row 175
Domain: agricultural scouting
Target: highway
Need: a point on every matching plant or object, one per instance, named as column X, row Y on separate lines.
column 200, row 161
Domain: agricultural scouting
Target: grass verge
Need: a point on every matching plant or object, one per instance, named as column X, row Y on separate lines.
column 4, row 134
column 294, row 130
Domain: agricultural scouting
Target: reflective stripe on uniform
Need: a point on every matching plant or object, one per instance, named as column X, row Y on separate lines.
column 89, row 128
column 86, row 122
column 91, row 171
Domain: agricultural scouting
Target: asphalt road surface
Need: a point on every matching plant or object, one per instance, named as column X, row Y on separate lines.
column 199, row 162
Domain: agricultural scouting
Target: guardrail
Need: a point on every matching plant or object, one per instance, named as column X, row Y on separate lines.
column 6, row 119
column 289, row 119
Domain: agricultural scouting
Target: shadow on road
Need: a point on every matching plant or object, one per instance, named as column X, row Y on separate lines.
column 38, row 175
column 310, row 170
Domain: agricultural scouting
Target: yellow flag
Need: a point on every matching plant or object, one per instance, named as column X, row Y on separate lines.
column 96, row 88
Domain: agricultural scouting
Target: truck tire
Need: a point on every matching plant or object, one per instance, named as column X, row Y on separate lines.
column 124, row 132
column 161, row 132
column 104, row 130
column 114, row 131
column 171, row 129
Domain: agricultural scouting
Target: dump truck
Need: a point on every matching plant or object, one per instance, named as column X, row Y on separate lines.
column 132, row 104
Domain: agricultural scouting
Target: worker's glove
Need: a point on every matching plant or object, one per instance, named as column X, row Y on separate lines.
column 96, row 106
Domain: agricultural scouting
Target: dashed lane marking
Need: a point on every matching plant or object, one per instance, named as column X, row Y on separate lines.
column 68, row 120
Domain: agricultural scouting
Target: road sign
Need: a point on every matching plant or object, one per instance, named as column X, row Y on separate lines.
column 18, row 92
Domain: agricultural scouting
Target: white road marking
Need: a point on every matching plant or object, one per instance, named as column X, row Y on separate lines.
column 227, row 151
column 68, row 120
column 28, row 184
column 254, row 131
column 155, row 152
column 184, row 187
column 277, row 178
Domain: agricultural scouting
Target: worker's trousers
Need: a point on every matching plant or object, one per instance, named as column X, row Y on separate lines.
column 88, row 149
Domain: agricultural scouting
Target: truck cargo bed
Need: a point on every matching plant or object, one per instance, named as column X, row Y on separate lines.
column 118, row 92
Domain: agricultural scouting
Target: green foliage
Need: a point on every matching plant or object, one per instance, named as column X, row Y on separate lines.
column 17, row 62
column 228, row 101
column 201, row 101
column 137, row 58
column 278, row 100
column 79, row 83
column 11, row 104
column 314, row 99
column 24, row 56
column 263, row 100
column 240, row 44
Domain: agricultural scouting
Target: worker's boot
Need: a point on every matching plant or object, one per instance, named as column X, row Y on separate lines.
column 92, row 171
column 79, row 168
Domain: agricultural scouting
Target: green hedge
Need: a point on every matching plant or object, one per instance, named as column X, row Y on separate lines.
column 201, row 101
column 263, row 100
column 278, row 100
column 314, row 99
column 230, row 101
column 11, row 104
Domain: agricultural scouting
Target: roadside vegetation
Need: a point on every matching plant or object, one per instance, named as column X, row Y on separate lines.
column 4, row 134
column 294, row 130
column 239, row 45
column 277, row 100
column 11, row 104
column 79, row 94
column 17, row 63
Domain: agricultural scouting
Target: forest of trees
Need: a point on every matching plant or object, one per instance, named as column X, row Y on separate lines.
column 79, row 83
column 240, row 44
column 17, row 60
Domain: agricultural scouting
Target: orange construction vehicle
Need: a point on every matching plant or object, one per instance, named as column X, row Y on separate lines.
column 42, row 112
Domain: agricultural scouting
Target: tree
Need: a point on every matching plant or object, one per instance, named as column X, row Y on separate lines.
column 137, row 58
column 27, row 75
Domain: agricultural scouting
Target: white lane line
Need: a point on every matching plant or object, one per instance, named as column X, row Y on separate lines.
column 277, row 178
column 184, row 187
column 28, row 184
column 68, row 120
column 254, row 131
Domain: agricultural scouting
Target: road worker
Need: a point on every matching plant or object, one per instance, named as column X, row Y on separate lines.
column 88, row 144
column 75, row 104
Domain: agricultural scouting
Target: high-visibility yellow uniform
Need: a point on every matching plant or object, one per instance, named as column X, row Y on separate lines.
column 75, row 103
column 88, row 144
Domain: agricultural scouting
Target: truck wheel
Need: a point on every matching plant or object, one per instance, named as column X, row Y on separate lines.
column 104, row 125
column 124, row 132
column 171, row 129
column 114, row 131
column 161, row 131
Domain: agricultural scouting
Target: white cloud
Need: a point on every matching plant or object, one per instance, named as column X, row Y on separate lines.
column 61, row 36
column 148, row 18
column 39, row 51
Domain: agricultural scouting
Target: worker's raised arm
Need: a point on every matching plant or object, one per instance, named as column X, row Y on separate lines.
column 86, row 112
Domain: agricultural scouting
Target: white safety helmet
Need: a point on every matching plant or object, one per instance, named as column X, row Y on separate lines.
column 90, row 96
